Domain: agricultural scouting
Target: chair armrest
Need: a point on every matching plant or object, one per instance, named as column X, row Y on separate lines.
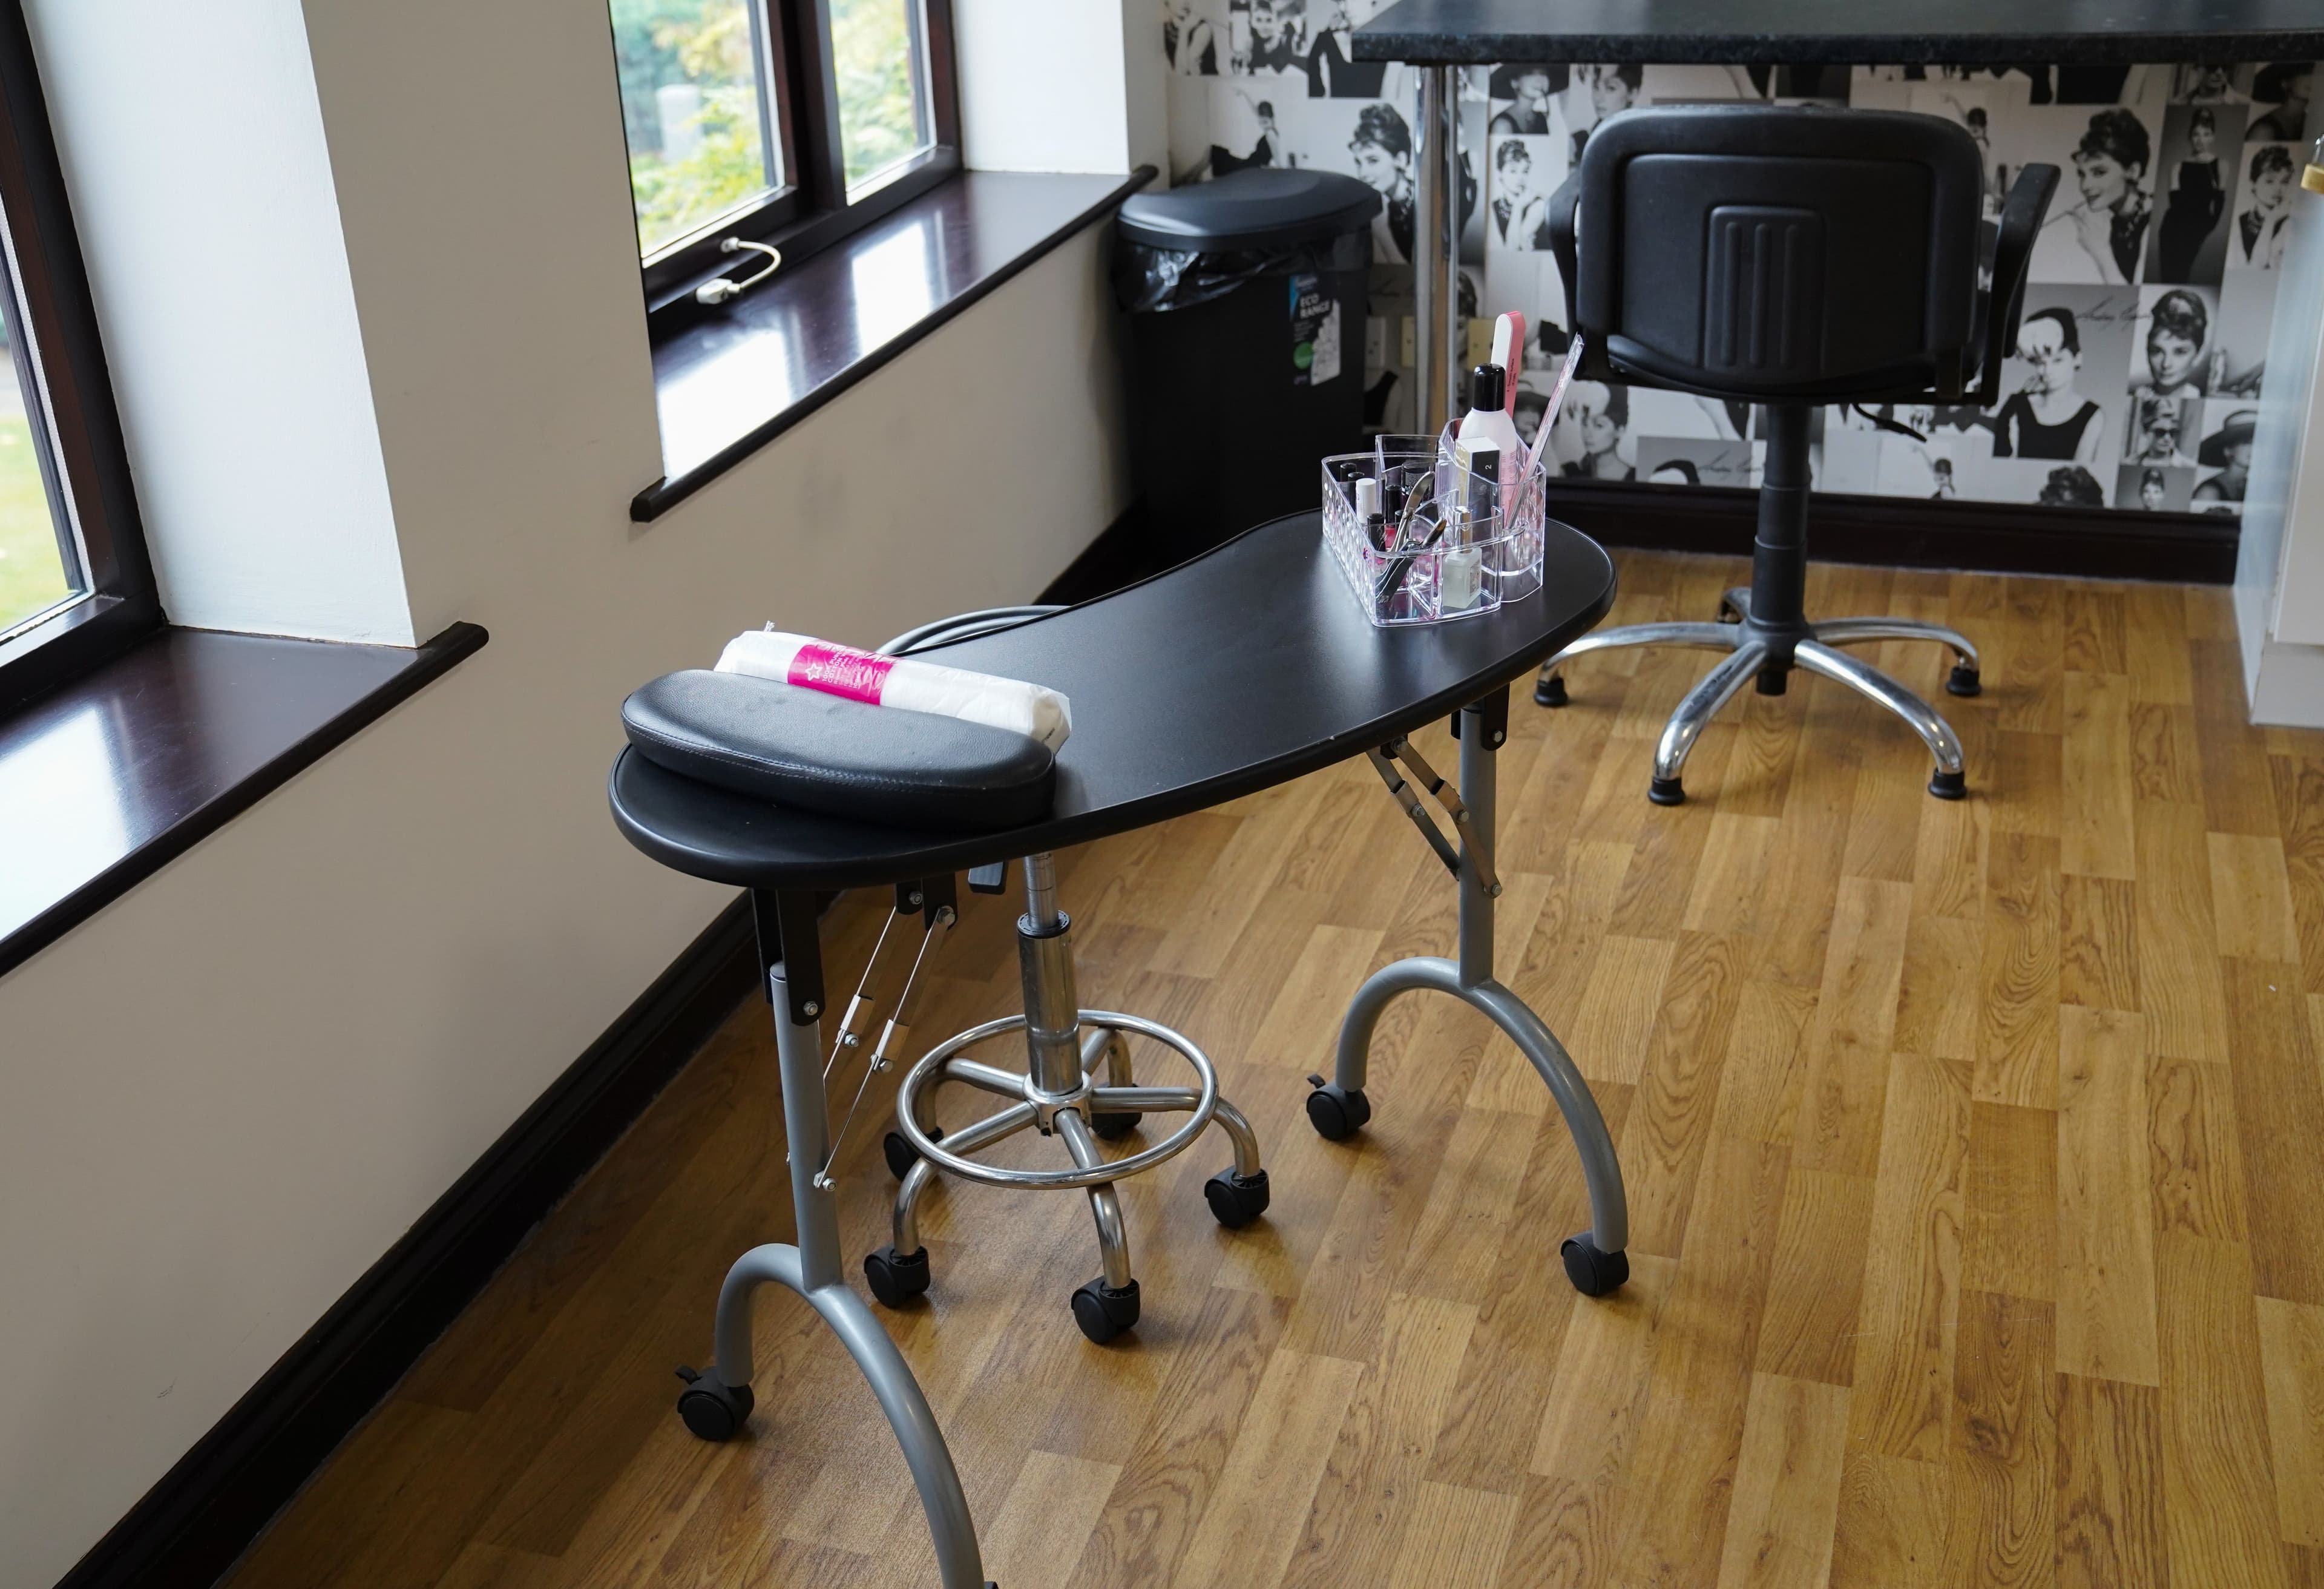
column 1562, row 205
column 2022, row 214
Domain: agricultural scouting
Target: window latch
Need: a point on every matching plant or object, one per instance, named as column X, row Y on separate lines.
column 719, row 289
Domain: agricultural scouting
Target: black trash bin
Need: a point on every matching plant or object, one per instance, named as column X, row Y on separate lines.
column 1247, row 298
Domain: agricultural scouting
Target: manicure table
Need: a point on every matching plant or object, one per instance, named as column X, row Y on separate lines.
column 1246, row 668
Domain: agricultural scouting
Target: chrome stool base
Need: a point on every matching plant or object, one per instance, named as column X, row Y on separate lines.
column 1077, row 1084
column 1768, row 653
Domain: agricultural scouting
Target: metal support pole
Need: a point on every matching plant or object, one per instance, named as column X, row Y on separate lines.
column 1481, row 732
column 1437, row 331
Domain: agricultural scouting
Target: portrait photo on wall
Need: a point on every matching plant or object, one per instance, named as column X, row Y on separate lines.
column 2262, row 206
column 2201, row 144
column 2154, row 488
column 2100, row 224
column 2066, row 384
column 2224, row 461
column 2174, row 341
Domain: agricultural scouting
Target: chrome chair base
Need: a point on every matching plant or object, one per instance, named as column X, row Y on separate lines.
column 1756, row 650
column 1077, row 1086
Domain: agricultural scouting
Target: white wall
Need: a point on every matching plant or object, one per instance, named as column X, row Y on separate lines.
column 2279, row 590
column 224, row 1095
column 264, row 498
column 1049, row 86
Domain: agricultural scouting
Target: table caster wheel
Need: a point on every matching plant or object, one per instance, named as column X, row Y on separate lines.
column 895, row 1278
column 1103, row 1312
column 1550, row 692
column 1234, row 1201
column 899, row 1152
column 1963, row 680
column 1336, row 1114
column 1594, row 1273
column 713, row 1410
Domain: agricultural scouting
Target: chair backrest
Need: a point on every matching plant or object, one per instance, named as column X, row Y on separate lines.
column 1777, row 253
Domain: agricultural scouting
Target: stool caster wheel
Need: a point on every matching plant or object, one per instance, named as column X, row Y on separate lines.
column 1594, row 1273
column 1963, row 680
column 1113, row 1127
column 1666, row 792
column 1103, row 1312
column 901, row 1154
column 1234, row 1201
column 1550, row 692
column 895, row 1278
column 713, row 1410
column 1949, row 786
column 1336, row 1114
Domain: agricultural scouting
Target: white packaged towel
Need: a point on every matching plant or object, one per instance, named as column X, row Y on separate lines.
column 904, row 683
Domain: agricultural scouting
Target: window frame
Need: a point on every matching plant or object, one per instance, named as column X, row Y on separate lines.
column 811, row 211
column 122, row 604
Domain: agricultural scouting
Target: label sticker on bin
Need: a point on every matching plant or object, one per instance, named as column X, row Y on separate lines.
column 1315, row 332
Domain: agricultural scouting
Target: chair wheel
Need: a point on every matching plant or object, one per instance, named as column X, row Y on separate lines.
column 1950, row 786
column 1336, row 1114
column 1550, row 692
column 1666, row 792
column 1963, row 680
column 895, row 1278
column 1103, row 1312
column 713, row 1410
column 1234, row 1201
column 899, row 1152
column 1112, row 1126
column 1594, row 1273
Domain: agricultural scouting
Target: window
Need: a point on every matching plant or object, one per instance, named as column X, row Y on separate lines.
column 782, row 123
column 75, row 586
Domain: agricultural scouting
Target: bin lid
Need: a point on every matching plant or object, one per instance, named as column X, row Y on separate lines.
column 1255, row 208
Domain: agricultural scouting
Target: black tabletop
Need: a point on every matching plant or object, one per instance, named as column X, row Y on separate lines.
column 1844, row 32
column 1247, row 667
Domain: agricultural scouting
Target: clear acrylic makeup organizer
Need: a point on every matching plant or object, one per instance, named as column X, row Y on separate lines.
column 1489, row 552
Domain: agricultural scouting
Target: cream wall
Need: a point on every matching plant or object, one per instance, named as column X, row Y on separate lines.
column 223, row 1097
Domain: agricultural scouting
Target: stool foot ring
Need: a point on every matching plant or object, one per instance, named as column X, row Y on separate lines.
column 1336, row 1113
column 1236, row 1200
column 1103, row 1312
column 713, row 1409
column 895, row 1278
column 1594, row 1274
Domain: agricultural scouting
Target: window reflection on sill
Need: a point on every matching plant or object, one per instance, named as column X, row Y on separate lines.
column 61, row 805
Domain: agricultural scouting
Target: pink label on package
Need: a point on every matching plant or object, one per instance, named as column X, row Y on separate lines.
column 835, row 670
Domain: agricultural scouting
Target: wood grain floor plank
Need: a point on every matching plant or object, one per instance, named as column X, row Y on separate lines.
column 2178, row 943
column 2111, row 1533
column 1815, row 1294
column 1902, row 1404
column 1787, row 1500
column 2009, row 1241
column 2292, row 1367
column 1848, row 1039
column 2096, row 838
column 2194, row 1151
column 2218, row 1488
column 2106, row 1286
column 2017, row 1009
column 2006, row 1418
column 1251, row 1527
column 1457, row 1541
column 2098, row 961
column 2251, row 897
column 2280, row 1125
column 1677, row 1094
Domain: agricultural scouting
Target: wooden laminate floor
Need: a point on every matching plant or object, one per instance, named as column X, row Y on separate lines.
column 1976, row 1157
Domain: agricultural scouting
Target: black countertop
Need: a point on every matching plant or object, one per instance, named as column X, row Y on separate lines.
column 1806, row 32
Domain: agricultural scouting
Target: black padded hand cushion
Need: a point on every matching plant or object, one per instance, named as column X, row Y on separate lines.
column 825, row 753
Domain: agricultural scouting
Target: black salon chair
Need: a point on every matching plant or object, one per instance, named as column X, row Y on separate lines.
column 1791, row 257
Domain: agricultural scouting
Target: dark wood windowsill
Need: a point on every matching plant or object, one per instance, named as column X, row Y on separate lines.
column 105, row 780
column 733, row 380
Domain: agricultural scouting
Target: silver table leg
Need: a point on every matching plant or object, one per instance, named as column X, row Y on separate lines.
column 812, row 1269
column 1594, row 1259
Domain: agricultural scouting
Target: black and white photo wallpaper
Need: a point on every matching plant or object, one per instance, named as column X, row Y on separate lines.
column 2137, row 375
